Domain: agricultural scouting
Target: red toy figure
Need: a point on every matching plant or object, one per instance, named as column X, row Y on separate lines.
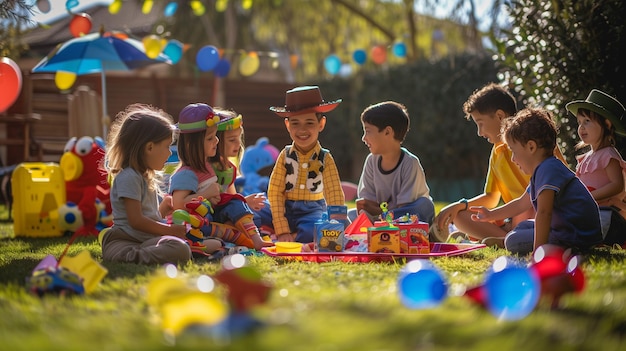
column 85, row 179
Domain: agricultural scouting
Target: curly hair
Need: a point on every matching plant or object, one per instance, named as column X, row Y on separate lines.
column 534, row 124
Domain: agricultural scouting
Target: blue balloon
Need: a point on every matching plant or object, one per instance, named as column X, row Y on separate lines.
column 399, row 49
column 359, row 56
column 170, row 9
column 512, row 290
column 332, row 63
column 421, row 285
column 222, row 68
column 70, row 4
column 207, row 58
column 174, row 50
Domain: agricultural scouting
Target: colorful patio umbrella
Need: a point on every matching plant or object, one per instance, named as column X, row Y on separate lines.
column 98, row 53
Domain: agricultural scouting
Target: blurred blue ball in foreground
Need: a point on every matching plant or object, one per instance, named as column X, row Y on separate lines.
column 512, row 290
column 421, row 285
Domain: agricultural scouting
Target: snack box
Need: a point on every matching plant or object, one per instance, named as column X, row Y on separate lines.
column 328, row 236
column 384, row 239
column 414, row 238
column 339, row 213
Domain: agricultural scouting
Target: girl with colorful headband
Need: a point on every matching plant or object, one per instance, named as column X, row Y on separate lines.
column 198, row 124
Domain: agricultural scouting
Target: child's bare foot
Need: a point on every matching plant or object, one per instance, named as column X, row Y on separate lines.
column 259, row 243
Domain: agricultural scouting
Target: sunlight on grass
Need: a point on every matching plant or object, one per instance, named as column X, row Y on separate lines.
column 313, row 306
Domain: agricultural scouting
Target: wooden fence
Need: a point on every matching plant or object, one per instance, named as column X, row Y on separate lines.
column 40, row 95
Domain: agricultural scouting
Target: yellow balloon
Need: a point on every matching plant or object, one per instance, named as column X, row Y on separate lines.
column 64, row 80
column 220, row 5
column 147, row 6
column 246, row 4
column 152, row 45
column 197, row 7
column 249, row 65
column 115, row 7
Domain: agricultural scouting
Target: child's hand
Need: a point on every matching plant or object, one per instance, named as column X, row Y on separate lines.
column 286, row 237
column 166, row 207
column 256, row 201
column 482, row 214
column 179, row 230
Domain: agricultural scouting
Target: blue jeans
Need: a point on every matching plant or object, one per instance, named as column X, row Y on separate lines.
column 423, row 207
column 302, row 215
column 521, row 240
column 232, row 211
column 263, row 217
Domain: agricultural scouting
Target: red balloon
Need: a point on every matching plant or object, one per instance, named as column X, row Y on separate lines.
column 10, row 83
column 80, row 24
column 379, row 54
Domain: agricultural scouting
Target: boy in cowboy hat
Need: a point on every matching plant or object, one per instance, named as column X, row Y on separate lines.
column 305, row 178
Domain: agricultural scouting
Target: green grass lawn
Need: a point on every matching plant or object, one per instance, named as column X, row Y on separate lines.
column 312, row 306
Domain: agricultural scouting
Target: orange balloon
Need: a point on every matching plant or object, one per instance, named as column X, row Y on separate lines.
column 379, row 54
column 80, row 24
column 293, row 59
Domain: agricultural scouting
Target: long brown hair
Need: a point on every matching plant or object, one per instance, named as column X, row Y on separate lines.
column 132, row 129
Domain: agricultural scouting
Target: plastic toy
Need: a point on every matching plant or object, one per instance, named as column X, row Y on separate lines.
column 559, row 271
column 71, row 217
column 198, row 213
column 58, row 280
column 181, row 305
column 70, row 275
column 421, row 285
column 511, row 290
column 38, row 191
column 194, row 308
column 255, row 158
column 85, row 180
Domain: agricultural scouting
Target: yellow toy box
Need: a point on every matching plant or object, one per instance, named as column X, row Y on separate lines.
column 38, row 192
column 414, row 238
column 383, row 239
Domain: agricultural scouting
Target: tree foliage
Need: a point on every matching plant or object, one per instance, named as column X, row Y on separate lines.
column 557, row 51
column 312, row 30
column 14, row 15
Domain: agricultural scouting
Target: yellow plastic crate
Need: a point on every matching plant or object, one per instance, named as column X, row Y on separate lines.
column 38, row 192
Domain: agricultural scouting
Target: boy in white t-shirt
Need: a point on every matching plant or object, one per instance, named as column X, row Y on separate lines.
column 391, row 173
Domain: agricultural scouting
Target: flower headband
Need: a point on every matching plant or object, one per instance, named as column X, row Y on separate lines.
column 229, row 124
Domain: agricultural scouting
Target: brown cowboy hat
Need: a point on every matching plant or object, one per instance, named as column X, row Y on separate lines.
column 302, row 100
column 604, row 105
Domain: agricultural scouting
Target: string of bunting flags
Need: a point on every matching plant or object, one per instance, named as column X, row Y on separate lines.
column 209, row 58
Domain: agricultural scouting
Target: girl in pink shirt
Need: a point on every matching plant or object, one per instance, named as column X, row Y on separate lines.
column 601, row 168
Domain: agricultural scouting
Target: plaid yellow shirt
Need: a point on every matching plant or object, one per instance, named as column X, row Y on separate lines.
column 297, row 177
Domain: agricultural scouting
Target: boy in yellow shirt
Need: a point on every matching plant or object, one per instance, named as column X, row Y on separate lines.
column 488, row 107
